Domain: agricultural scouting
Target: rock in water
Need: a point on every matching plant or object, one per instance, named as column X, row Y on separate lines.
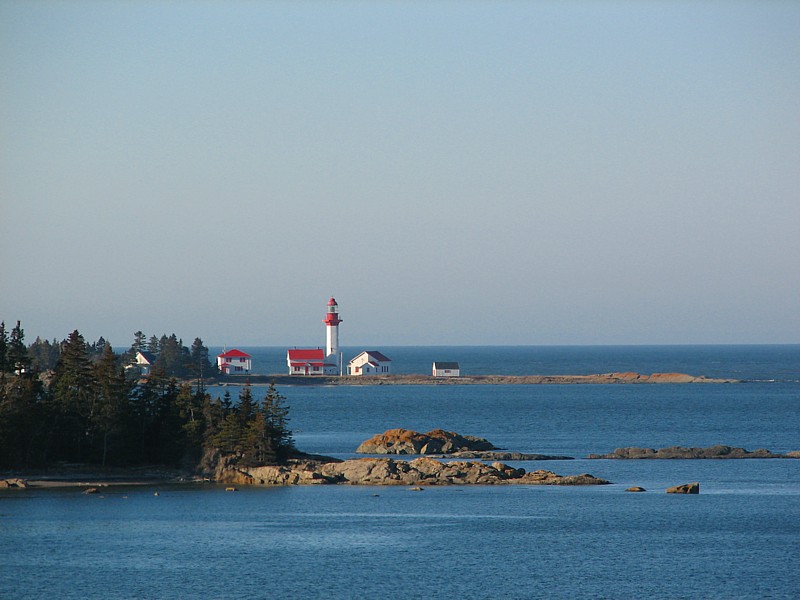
column 686, row 488
column 680, row 452
column 388, row 471
column 636, row 488
column 438, row 441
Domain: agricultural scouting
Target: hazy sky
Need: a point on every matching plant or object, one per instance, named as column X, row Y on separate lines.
column 453, row 172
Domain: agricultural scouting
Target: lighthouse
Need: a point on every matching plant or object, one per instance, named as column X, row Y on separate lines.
column 332, row 321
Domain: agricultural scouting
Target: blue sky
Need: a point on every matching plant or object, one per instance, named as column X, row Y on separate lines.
column 454, row 173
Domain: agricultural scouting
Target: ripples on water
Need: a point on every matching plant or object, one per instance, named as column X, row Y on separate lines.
column 737, row 539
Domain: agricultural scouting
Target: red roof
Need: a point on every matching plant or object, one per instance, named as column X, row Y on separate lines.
column 302, row 354
column 233, row 354
column 332, row 301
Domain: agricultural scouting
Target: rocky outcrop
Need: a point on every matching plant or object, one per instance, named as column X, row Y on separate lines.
column 686, row 488
column 636, row 488
column 688, row 453
column 14, row 483
column 388, row 471
column 395, row 379
column 438, row 441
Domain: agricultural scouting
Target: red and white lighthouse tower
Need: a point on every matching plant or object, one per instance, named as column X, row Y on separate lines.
column 332, row 321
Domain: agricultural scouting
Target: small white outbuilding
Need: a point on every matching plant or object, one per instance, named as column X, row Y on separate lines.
column 446, row 369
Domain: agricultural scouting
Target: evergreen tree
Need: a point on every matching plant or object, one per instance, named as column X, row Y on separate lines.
column 173, row 358
column 200, row 365
column 22, row 422
column 74, row 400
column 246, row 407
column 214, row 412
column 139, row 342
column 44, row 354
column 4, row 366
column 112, row 414
column 276, row 418
column 153, row 345
column 191, row 413
column 17, row 353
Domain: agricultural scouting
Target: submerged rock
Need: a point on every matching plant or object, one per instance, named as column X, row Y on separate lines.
column 636, row 489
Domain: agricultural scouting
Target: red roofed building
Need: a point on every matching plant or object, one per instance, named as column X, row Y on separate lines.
column 304, row 361
column 234, row 362
column 369, row 362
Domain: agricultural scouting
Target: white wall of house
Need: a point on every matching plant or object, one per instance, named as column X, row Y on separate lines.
column 367, row 363
column 446, row 370
column 234, row 365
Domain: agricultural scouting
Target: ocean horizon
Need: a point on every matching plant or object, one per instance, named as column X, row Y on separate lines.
column 761, row 362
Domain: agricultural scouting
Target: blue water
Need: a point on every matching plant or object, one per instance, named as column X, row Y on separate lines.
column 738, row 539
column 769, row 362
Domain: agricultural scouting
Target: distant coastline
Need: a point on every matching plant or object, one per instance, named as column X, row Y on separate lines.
column 600, row 378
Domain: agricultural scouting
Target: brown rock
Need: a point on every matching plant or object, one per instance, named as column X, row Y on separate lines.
column 636, row 489
column 13, row 483
column 502, row 455
column 406, row 441
column 680, row 452
column 686, row 488
column 387, row 471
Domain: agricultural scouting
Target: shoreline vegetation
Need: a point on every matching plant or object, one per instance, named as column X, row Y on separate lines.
column 434, row 458
column 77, row 414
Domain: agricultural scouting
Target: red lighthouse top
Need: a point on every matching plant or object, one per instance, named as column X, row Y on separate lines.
column 332, row 316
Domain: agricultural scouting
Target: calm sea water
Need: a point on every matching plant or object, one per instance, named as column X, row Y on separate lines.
column 778, row 362
column 737, row 539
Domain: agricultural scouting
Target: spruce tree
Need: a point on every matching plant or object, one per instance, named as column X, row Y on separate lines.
column 276, row 417
column 17, row 354
column 4, row 368
column 74, row 400
column 112, row 413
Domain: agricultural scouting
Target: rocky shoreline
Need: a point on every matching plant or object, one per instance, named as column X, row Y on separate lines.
column 439, row 461
column 599, row 378
column 422, row 471
column 680, row 452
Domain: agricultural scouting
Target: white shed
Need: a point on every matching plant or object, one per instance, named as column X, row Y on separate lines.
column 446, row 369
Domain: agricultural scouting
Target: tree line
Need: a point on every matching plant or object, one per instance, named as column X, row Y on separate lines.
column 87, row 410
